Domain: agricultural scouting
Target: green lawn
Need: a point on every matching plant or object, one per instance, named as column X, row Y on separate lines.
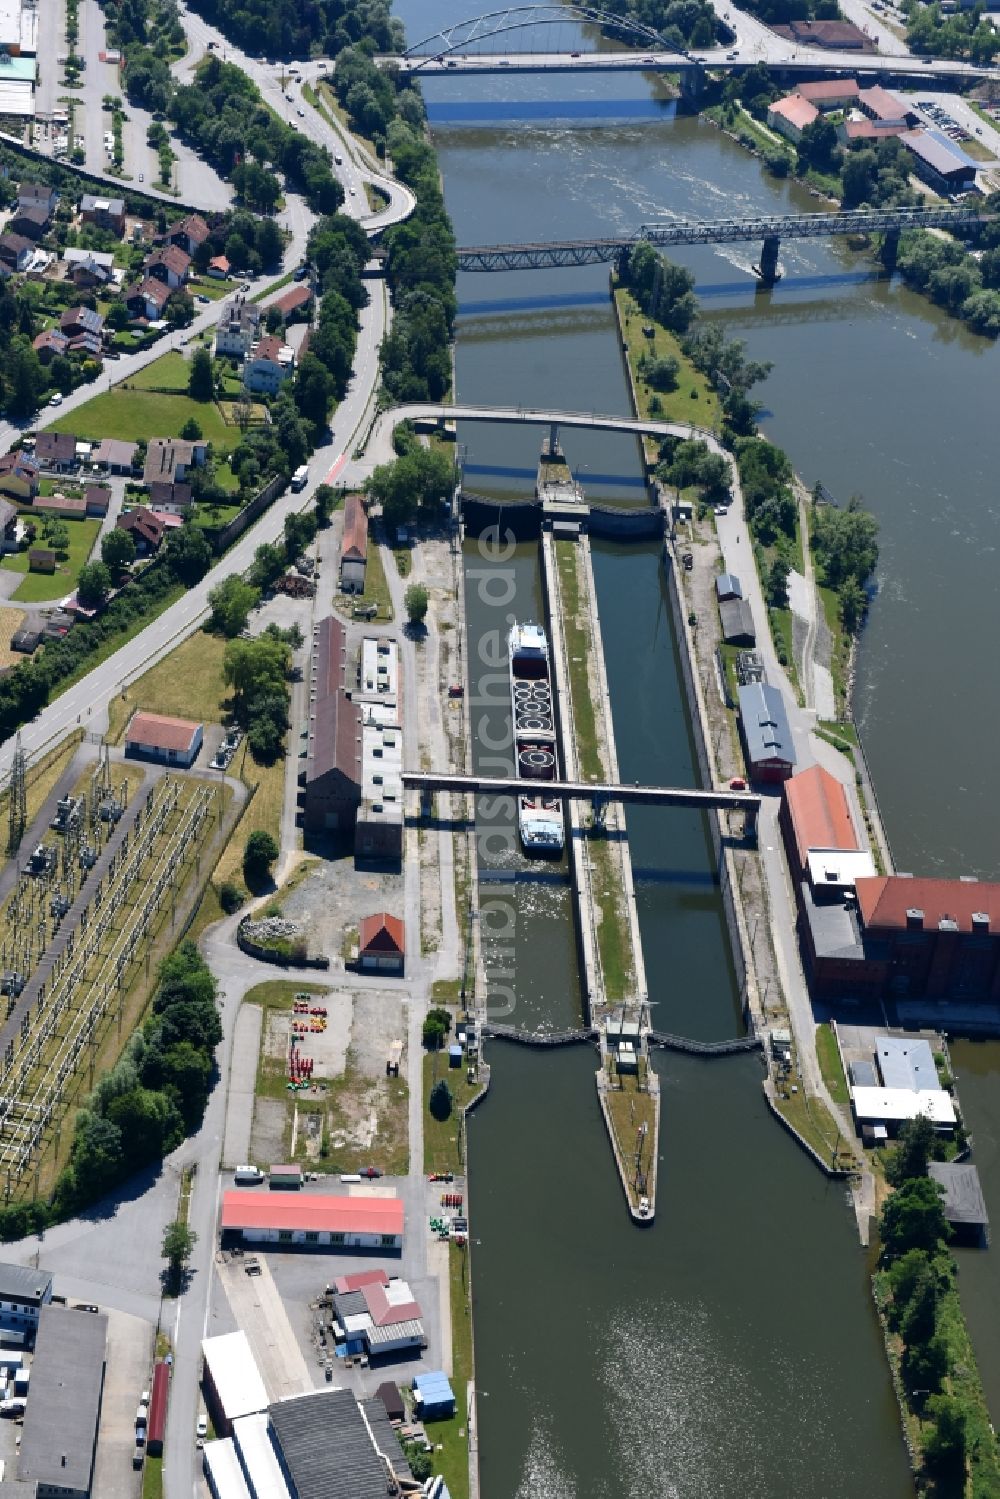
column 376, row 588
column 131, row 414
column 452, row 1462
column 830, row 1064
column 39, row 588
column 441, row 1141
column 169, row 372
column 693, row 400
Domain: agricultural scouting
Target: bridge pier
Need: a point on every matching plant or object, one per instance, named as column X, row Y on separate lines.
column 554, row 440
column 889, row 250
column 692, row 85
column 767, row 270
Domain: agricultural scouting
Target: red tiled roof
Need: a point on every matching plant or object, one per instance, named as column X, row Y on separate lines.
column 355, row 543
column 312, row 1212
column 194, row 227
column 883, row 901
column 828, row 89
column 820, row 812
column 268, row 348
column 173, row 257
column 335, row 735
column 158, row 731
column 357, row 1282
column 298, row 296
column 382, row 933
column 797, row 111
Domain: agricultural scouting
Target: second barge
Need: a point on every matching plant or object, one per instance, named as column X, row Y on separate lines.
column 540, row 820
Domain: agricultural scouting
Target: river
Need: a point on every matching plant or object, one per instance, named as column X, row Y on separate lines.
column 732, row 1347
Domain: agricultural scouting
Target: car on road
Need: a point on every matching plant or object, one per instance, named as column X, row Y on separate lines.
column 55, row 400
column 352, row 192
column 300, row 112
column 371, row 1172
column 574, row 54
column 202, row 298
column 203, row 1426
column 141, row 177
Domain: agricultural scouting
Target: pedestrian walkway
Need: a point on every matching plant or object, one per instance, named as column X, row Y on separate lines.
column 242, row 1081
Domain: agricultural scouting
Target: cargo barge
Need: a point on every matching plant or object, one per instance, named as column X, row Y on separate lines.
column 540, row 821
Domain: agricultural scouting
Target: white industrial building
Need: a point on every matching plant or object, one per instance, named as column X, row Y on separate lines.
column 223, row 1472
column 231, row 1380
column 258, row 1459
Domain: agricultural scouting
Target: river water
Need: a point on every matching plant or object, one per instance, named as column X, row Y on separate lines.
column 731, row 1349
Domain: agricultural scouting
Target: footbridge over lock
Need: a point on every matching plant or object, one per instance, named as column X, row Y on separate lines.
column 770, row 230
column 428, row 783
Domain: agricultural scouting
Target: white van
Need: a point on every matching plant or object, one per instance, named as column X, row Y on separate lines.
column 300, row 478
column 248, row 1176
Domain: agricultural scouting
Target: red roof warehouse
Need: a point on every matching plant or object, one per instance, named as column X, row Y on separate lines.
column 312, row 1220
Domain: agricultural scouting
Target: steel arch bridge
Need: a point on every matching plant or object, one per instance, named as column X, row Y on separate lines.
column 469, row 33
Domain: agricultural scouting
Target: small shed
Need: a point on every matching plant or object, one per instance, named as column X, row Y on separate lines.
column 765, row 732
column 433, row 1397
column 157, row 736
column 737, row 622
column 390, row 1397
column 964, row 1204
column 454, row 1055
column 285, row 1178
column 382, row 944
column 728, row 586
column 41, row 560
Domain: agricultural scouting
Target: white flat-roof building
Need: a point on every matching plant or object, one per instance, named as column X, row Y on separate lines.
column 891, row 1107
column 258, row 1458
column 232, row 1382
column 379, row 824
column 223, row 1471
column 838, row 868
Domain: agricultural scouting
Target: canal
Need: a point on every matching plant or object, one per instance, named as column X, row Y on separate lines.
column 731, row 1348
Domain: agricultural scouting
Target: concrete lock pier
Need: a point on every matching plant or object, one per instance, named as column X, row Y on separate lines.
column 611, row 960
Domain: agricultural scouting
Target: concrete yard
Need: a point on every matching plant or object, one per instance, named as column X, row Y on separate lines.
column 257, row 1308
column 333, row 898
column 128, row 1372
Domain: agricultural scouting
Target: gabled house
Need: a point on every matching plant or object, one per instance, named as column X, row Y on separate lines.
column 269, row 364
column 382, row 944
column 31, row 222
column 56, row 451
column 18, row 477
column 147, row 299
column 189, row 233
column 237, row 328
column 88, row 269
column 174, row 499
column 77, row 321
column 219, row 268
column 169, row 265
column 97, row 498
column 294, row 301
column 114, row 455
column 50, row 344
column 170, row 459
column 144, row 528
column 37, row 195
column 15, row 251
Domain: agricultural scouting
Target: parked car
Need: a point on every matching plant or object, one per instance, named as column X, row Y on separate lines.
column 202, row 1426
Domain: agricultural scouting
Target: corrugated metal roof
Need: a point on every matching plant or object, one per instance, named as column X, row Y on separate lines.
column 60, row 1424
column 311, row 1212
column 765, row 724
column 328, row 1447
column 23, row 1283
column 736, row 619
column 938, row 152
column 378, row 1336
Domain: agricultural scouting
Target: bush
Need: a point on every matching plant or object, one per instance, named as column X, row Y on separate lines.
column 231, row 897
column 436, row 1026
column 441, row 1101
column 258, row 856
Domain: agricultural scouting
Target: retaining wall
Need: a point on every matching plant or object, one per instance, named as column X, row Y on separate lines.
column 224, row 539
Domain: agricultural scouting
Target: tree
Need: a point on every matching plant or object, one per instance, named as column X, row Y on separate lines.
column 201, row 383
column 191, row 430
column 818, row 146
column 416, row 601
column 436, row 1026
column 231, row 897
column 259, row 854
column 93, row 585
column 188, row 554
column 420, row 479
column 178, row 1246
column 441, row 1101
column 908, row 1162
column 944, row 1447
column 326, row 499
column 924, row 1366
column 314, row 390
column 776, row 590
column 853, row 605
column 913, row 1218
column 231, row 602
column 57, row 535
column 118, row 551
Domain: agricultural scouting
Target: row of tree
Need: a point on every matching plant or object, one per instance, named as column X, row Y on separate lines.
column 953, row 278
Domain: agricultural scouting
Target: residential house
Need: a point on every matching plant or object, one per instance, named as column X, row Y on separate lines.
column 294, row 301
column 219, row 268
column 106, row 213
column 88, row 345
column 97, row 498
column 56, row 451
column 37, row 195
column 169, row 459
column 147, row 299
column 189, row 233
column 50, row 345
column 89, row 268
column 114, row 455
column 268, row 365
column 791, row 115
column 30, row 222
column 15, row 251
column 237, row 328
column 171, row 499
column 79, row 321
column 18, row 477
column 169, row 265
column 144, row 528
